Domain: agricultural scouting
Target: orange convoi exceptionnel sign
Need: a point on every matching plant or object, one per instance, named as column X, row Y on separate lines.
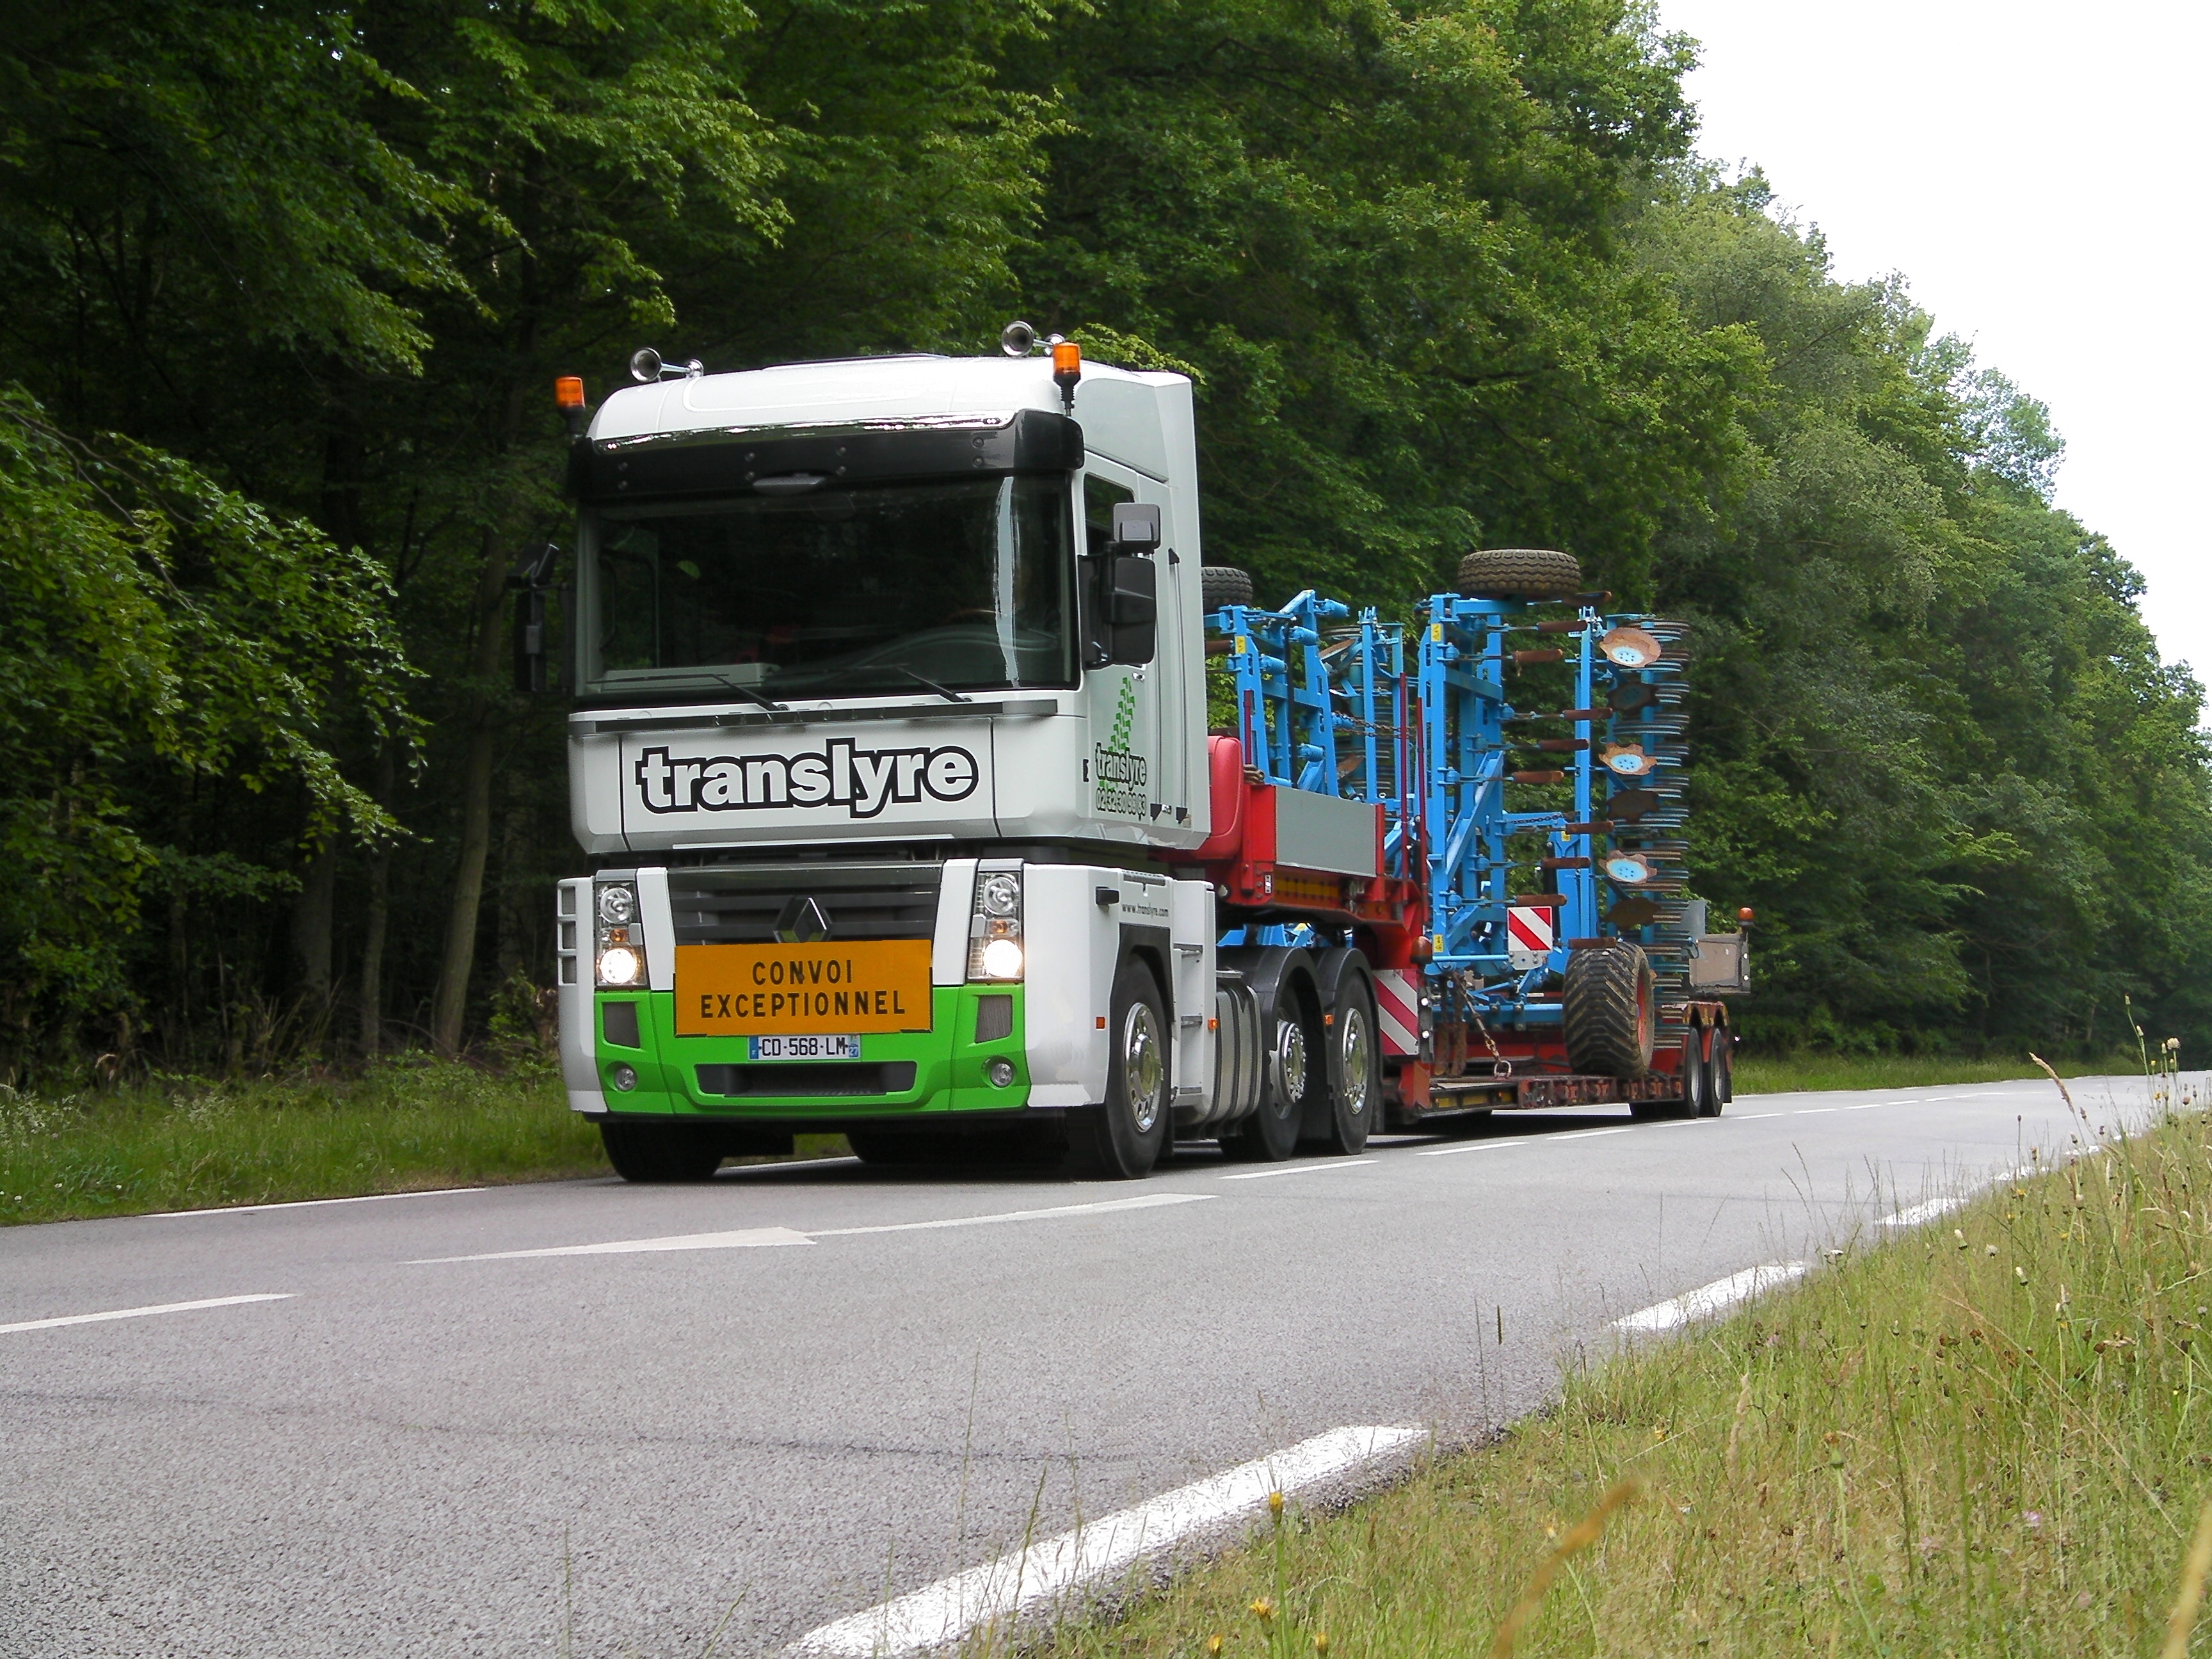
column 792, row 990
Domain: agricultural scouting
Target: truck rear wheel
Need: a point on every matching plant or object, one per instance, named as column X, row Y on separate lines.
column 661, row 1152
column 1609, row 1011
column 1289, row 1074
column 1355, row 1065
column 1122, row 1140
column 1720, row 1072
column 1690, row 1073
column 1520, row 572
column 1222, row 584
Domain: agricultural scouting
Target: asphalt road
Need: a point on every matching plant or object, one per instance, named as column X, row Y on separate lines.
column 825, row 1384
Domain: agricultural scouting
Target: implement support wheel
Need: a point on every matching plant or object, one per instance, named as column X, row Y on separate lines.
column 1610, row 1010
column 1520, row 572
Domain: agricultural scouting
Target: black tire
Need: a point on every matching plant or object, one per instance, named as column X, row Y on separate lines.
column 1610, row 1010
column 1520, row 572
column 1122, row 1140
column 659, row 1152
column 1720, row 1072
column 1222, row 583
column 1354, row 1043
column 1292, row 1071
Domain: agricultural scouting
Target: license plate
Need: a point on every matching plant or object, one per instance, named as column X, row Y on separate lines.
column 828, row 989
column 803, row 1047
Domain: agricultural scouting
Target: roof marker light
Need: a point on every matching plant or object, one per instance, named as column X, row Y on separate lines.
column 568, row 393
column 1066, row 370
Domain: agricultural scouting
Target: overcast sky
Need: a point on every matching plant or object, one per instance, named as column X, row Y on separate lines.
column 2038, row 174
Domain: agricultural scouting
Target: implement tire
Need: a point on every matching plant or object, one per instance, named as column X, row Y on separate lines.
column 1610, row 1010
column 1222, row 583
column 1520, row 572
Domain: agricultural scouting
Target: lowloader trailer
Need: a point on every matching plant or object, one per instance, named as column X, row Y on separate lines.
column 943, row 797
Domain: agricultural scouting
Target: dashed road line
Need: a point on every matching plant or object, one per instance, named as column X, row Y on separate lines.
column 993, row 1599
column 1303, row 1169
column 305, row 1203
column 1708, row 1300
column 140, row 1313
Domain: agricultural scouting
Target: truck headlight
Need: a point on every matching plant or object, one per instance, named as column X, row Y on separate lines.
column 621, row 953
column 995, row 926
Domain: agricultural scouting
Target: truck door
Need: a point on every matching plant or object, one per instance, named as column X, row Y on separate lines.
column 1136, row 776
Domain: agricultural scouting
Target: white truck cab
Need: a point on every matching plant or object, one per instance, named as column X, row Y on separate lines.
column 888, row 708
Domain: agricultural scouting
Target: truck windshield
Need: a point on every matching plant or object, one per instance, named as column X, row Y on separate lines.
column 967, row 582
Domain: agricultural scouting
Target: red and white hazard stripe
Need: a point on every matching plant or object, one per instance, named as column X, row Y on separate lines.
column 1530, row 928
column 1398, row 1009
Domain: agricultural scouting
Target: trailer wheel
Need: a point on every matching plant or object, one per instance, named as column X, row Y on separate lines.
column 1520, row 572
column 1122, row 1140
column 1355, row 1065
column 1609, row 1011
column 1289, row 1072
column 1222, row 584
column 1720, row 1072
column 661, row 1152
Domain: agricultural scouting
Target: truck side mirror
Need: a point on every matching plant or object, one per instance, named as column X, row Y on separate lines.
column 1136, row 527
column 531, row 578
column 1133, row 608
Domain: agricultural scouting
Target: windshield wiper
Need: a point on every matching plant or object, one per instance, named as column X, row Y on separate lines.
column 944, row 692
column 748, row 694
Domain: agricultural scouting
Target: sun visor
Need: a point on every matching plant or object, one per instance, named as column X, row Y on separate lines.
column 719, row 462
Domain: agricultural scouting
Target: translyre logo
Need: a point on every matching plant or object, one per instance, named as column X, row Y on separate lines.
column 861, row 781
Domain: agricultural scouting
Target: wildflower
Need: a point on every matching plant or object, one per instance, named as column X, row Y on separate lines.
column 1275, row 1504
column 2033, row 1519
column 1320, row 1642
column 1213, row 1643
column 1263, row 1609
column 1960, row 1234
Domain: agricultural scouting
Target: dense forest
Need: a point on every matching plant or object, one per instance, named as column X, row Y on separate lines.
column 289, row 285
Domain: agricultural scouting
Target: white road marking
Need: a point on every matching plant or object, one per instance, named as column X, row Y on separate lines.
column 1303, row 1169
column 1148, row 1201
column 1811, row 1111
column 744, row 1238
column 1748, row 1117
column 1919, row 1214
column 1584, row 1134
column 759, row 1237
column 1468, row 1147
column 308, row 1203
column 1710, row 1300
column 140, row 1313
column 997, row 1596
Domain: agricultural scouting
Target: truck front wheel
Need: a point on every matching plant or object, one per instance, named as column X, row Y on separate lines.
column 1122, row 1140
column 661, row 1152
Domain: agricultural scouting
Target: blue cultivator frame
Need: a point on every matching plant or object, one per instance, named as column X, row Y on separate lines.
column 1323, row 709
column 1325, row 703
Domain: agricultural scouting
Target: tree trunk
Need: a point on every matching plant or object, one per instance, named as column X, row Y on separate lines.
column 311, row 921
column 450, row 1012
column 379, row 919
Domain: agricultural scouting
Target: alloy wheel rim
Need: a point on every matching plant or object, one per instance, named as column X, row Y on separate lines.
column 1143, row 1069
column 1290, row 1066
column 1355, row 1060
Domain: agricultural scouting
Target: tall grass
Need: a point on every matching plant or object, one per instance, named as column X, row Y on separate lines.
column 177, row 1143
column 1989, row 1436
column 1782, row 1073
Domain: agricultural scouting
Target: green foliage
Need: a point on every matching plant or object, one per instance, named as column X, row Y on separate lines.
column 159, row 628
column 1388, row 238
column 1444, row 273
column 1935, row 747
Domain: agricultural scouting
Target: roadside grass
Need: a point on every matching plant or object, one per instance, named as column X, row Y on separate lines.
column 1772, row 1074
column 402, row 1125
column 1989, row 1435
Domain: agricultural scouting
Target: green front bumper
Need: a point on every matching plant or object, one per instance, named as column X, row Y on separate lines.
column 948, row 1064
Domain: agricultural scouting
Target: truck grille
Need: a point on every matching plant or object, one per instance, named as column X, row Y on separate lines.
column 807, row 1079
column 744, row 906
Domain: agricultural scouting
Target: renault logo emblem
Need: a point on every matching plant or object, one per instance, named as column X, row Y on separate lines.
column 804, row 922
